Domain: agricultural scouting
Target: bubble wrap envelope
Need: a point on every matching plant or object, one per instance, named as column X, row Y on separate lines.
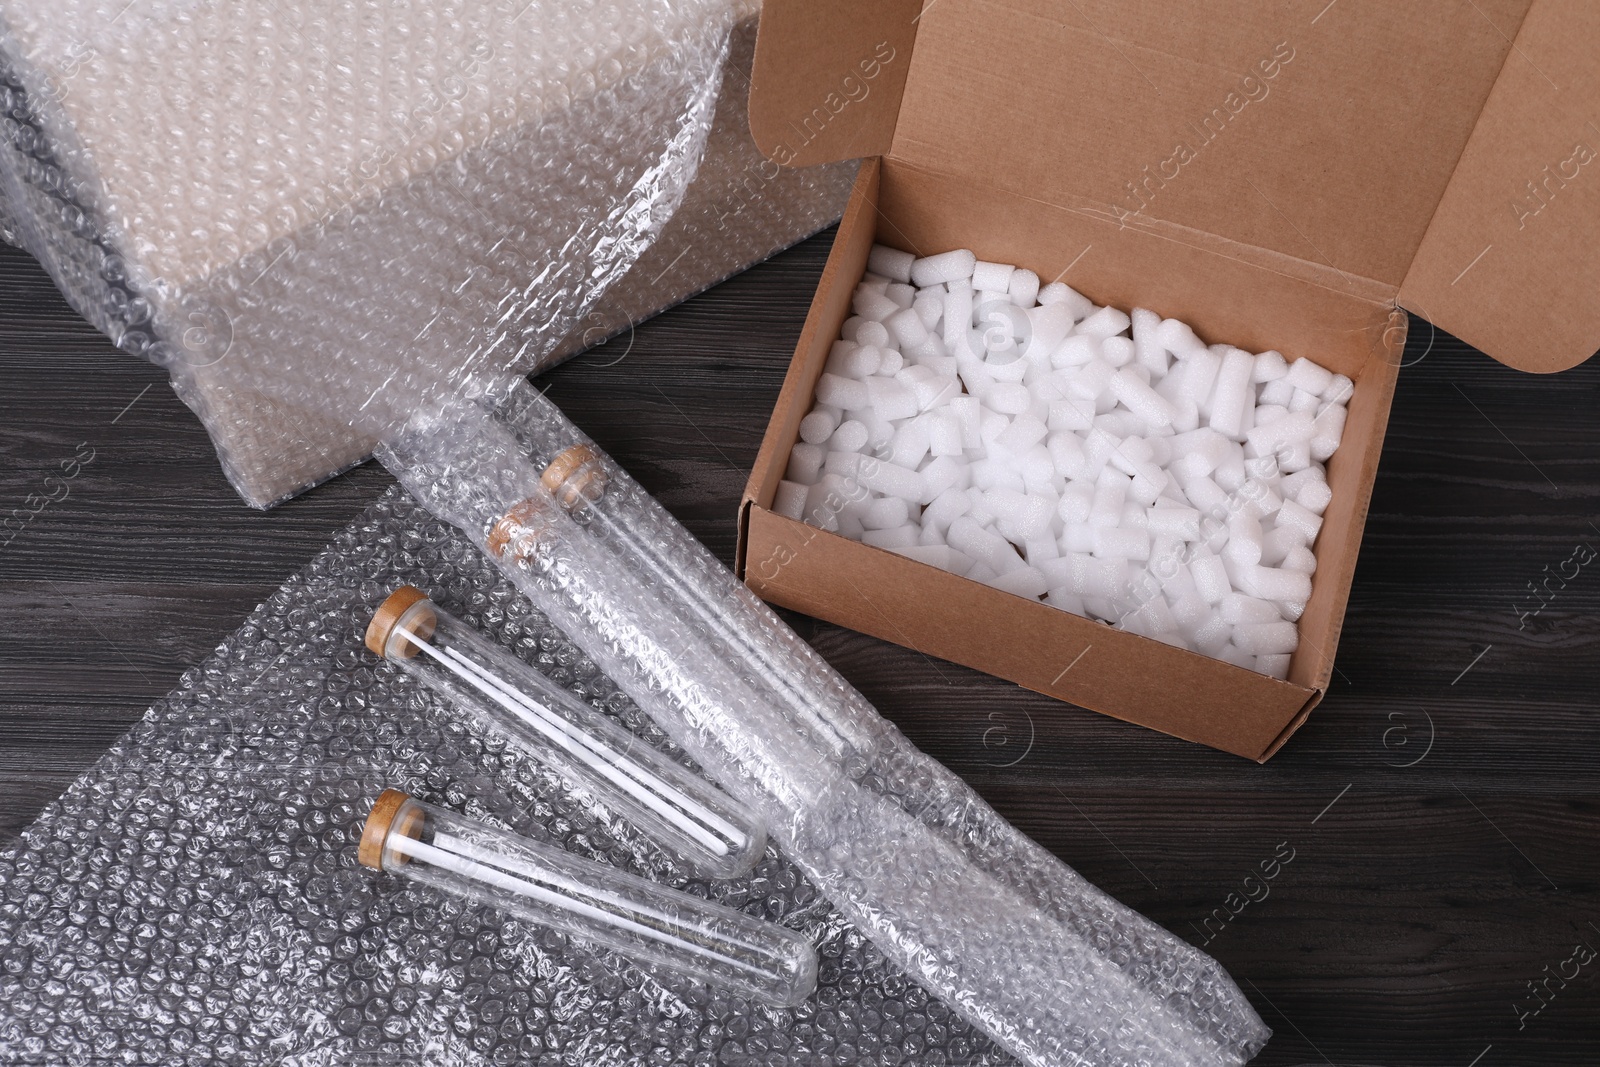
column 319, row 216
column 194, row 899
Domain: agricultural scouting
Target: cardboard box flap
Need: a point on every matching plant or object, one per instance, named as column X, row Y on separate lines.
column 1327, row 135
column 1508, row 263
column 828, row 76
column 1324, row 132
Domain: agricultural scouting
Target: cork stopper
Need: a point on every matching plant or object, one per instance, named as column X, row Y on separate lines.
column 388, row 615
column 575, row 477
column 379, row 823
column 510, row 531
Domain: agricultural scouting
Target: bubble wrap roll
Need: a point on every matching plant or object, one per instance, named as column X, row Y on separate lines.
column 1052, row 968
column 317, row 216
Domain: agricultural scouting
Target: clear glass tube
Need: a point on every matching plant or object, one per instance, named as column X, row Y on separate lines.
column 682, row 811
column 589, row 901
column 643, row 537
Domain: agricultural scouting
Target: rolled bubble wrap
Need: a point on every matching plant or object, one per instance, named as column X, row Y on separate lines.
column 1052, row 968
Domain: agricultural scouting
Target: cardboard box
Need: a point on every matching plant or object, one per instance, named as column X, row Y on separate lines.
column 1289, row 175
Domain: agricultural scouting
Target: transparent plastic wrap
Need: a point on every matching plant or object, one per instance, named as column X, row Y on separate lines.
column 677, row 808
column 593, row 902
column 319, row 216
column 195, row 898
column 1052, row 968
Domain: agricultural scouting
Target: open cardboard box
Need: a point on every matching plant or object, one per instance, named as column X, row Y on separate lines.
column 1288, row 175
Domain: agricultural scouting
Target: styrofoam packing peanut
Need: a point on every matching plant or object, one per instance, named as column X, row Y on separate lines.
column 1269, row 367
column 1237, row 608
column 1273, row 666
column 840, row 392
column 849, row 436
column 1309, row 376
column 1339, row 390
column 1024, row 432
column 1110, row 463
column 1105, row 322
column 1277, row 543
column 1049, row 324
column 1314, row 495
column 891, row 263
column 1180, row 522
column 906, row 327
column 910, row 444
column 944, row 433
column 871, row 332
column 944, row 267
column 929, row 307
column 891, row 398
column 805, row 463
column 1119, row 352
column 1230, row 473
column 981, row 572
column 895, row 537
column 1148, row 349
column 1300, row 519
column 939, row 475
column 1025, row 581
column 890, row 479
column 1038, row 549
column 1023, row 288
column 1178, row 338
column 1276, row 393
column 790, row 499
column 1231, row 393
column 871, row 304
column 885, row 513
column 1327, row 429
column 818, row 426
column 1304, row 401
column 984, row 545
column 1078, row 350
column 1300, row 558
column 1266, row 638
column 992, row 277
column 1010, row 398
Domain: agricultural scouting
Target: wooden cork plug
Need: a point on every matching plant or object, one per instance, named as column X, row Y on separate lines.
column 575, row 477
column 379, row 823
column 387, row 617
column 510, row 531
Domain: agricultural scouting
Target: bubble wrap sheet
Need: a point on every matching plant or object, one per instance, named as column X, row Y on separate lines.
column 1049, row 966
column 318, row 216
column 194, row 898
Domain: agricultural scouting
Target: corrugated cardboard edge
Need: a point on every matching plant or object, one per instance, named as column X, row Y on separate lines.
column 1065, row 656
column 795, row 396
column 1508, row 262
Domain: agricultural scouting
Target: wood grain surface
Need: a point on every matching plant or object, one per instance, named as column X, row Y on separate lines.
column 1442, row 806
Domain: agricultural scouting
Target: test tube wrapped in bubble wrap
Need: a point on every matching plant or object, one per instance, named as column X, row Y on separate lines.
column 591, row 901
column 483, row 682
column 1052, row 968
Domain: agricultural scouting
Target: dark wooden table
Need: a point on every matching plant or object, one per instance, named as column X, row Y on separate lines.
column 1442, row 807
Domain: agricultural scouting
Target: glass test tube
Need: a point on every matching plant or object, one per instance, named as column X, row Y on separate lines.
column 682, row 811
column 589, row 901
column 591, row 487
